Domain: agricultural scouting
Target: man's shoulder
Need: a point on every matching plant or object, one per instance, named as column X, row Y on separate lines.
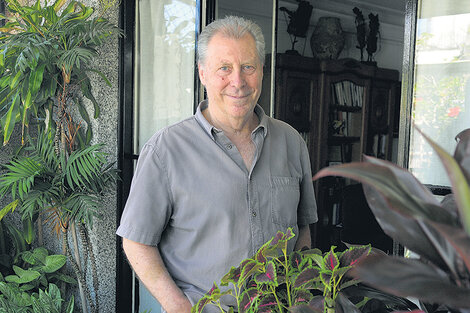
column 181, row 129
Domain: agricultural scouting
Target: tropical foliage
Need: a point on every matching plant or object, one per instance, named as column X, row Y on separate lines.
column 68, row 187
column 438, row 232
column 46, row 56
column 306, row 281
column 30, row 283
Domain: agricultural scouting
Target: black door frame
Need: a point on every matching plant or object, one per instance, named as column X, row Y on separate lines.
column 124, row 276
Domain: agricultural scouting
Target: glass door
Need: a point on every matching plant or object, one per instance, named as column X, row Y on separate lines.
column 440, row 92
column 164, row 75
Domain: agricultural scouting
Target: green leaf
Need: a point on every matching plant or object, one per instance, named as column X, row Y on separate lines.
column 307, row 278
column 353, row 255
column 249, row 268
column 28, row 230
column 15, row 80
column 35, row 79
column 54, row 263
column 248, row 298
column 331, row 260
column 106, row 80
column 10, row 207
column 86, row 90
column 232, row 276
column 349, row 283
column 65, row 278
column 268, row 276
column 70, row 305
column 22, row 276
column 10, row 118
column 4, row 80
column 17, row 237
column 37, row 256
column 58, row 4
column 26, row 287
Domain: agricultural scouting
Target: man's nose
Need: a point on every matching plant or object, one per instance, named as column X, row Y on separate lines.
column 237, row 78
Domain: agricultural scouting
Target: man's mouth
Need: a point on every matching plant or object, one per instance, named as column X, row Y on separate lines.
column 238, row 96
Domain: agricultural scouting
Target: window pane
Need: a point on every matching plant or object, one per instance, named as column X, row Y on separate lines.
column 165, row 64
column 441, row 102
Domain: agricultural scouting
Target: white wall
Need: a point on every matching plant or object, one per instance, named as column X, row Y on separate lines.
column 391, row 19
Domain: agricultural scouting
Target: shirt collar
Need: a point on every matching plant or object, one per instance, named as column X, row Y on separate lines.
column 209, row 129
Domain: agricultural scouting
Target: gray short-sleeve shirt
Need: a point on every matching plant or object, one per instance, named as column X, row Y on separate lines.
column 194, row 198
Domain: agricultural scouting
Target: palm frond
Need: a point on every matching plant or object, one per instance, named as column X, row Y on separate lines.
column 76, row 57
column 83, row 207
column 10, row 207
column 43, row 196
column 20, row 176
column 43, row 150
column 84, row 167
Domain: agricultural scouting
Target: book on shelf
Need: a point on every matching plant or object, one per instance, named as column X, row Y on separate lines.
column 347, row 93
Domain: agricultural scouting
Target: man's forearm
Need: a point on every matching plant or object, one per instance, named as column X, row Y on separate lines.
column 149, row 267
column 303, row 238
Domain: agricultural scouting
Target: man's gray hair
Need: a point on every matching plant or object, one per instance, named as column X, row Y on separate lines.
column 231, row 27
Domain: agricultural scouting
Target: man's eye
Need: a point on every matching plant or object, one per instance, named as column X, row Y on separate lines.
column 224, row 68
column 249, row 68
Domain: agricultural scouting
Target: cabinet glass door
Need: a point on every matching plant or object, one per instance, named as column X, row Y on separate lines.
column 441, row 88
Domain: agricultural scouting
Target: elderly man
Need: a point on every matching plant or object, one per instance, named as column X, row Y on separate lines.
column 211, row 189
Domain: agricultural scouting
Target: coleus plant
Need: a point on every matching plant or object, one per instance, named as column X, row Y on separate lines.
column 438, row 232
column 275, row 281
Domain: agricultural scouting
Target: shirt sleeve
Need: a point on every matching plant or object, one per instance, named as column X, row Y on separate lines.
column 148, row 208
column 307, row 210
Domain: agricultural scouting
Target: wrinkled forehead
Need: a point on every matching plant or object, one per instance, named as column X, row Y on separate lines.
column 223, row 46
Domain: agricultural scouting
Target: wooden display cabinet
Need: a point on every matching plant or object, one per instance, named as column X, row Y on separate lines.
column 344, row 109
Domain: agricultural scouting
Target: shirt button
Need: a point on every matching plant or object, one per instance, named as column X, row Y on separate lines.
column 229, row 146
column 253, row 213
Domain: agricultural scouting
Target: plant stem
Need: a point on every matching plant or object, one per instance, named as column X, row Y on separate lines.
column 84, row 295
column 289, row 300
column 40, row 235
column 2, row 239
column 273, row 290
column 94, row 272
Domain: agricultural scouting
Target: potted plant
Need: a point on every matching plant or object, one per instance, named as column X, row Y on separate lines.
column 437, row 232
column 46, row 52
column 307, row 281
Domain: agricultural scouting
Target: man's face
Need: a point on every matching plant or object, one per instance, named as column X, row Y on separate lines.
column 232, row 74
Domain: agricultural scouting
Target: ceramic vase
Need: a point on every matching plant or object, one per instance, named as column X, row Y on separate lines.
column 327, row 40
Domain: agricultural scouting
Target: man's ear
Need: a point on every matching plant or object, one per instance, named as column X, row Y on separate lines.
column 201, row 72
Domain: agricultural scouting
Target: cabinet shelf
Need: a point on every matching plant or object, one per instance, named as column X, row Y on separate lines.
column 339, row 140
column 346, row 108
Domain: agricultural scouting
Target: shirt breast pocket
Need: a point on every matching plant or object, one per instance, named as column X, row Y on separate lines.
column 285, row 197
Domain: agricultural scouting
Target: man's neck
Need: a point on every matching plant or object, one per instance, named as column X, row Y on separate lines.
column 242, row 127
